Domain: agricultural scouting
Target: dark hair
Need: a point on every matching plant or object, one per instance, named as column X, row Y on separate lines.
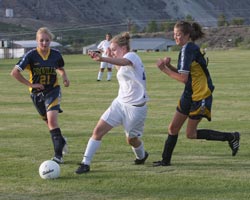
column 122, row 40
column 109, row 34
column 193, row 29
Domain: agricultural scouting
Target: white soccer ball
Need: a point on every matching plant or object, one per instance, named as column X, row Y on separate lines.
column 49, row 169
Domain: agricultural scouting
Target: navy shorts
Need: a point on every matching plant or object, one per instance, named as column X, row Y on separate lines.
column 195, row 109
column 47, row 101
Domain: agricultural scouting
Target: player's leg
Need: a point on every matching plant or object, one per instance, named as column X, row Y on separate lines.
column 101, row 71
column 56, row 135
column 173, row 131
column 110, row 118
column 138, row 149
column 93, row 145
column 52, row 102
column 109, row 73
column 202, row 109
column 233, row 138
column 133, row 123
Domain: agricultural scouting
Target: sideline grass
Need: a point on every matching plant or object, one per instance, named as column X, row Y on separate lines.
column 201, row 170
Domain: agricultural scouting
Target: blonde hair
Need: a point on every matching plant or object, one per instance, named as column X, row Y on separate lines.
column 122, row 40
column 46, row 31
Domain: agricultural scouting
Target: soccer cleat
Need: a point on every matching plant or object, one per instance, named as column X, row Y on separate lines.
column 58, row 160
column 161, row 163
column 65, row 149
column 82, row 169
column 235, row 143
column 142, row 161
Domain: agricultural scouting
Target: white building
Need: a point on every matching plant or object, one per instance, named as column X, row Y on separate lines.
column 16, row 49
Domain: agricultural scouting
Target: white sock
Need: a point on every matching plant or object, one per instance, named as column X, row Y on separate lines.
column 92, row 147
column 139, row 151
column 100, row 74
column 109, row 75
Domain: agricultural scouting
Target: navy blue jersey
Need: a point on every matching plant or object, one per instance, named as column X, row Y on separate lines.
column 192, row 62
column 42, row 69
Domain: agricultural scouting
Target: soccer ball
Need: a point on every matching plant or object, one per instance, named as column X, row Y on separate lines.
column 49, row 169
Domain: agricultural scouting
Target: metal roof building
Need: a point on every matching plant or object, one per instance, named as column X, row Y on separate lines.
column 151, row 44
column 16, row 49
column 28, row 44
column 142, row 44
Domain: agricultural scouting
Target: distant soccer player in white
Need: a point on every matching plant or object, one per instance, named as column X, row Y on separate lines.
column 128, row 108
column 103, row 47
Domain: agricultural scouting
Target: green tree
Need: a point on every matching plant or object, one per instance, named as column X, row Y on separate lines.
column 167, row 26
column 237, row 21
column 189, row 18
column 152, row 27
column 222, row 20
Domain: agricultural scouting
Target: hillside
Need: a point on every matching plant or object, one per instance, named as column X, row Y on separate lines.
column 85, row 21
column 72, row 13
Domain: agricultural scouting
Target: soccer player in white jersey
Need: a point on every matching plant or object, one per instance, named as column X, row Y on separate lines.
column 128, row 109
column 103, row 47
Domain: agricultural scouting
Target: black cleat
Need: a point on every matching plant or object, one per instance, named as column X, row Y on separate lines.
column 161, row 163
column 142, row 161
column 235, row 143
column 82, row 169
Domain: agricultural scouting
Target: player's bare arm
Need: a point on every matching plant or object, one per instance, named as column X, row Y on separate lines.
column 64, row 76
column 18, row 76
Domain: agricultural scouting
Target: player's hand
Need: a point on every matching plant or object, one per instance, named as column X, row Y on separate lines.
column 38, row 86
column 66, row 82
column 161, row 64
column 95, row 55
column 167, row 61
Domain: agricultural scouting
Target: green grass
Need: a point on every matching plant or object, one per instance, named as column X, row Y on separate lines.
column 201, row 170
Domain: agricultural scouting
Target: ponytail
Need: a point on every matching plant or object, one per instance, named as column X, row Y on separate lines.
column 197, row 32
column 194, row 29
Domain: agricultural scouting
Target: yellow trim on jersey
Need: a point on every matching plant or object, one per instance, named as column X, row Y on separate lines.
column 199, row 83
column 30, row 76
column 40, row 53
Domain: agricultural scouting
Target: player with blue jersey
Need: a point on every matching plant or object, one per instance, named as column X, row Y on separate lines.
column 128, row 109
column 196, row 100
column 43, row 63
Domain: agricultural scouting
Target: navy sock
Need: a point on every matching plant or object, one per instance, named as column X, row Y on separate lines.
column 214, row 135
column 58, row 141
column 169, row 148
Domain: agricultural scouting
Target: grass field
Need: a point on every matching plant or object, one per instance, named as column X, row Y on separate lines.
column 201, row 170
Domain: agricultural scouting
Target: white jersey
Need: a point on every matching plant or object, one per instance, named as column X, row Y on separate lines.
column 132, row 81
column 103, row 46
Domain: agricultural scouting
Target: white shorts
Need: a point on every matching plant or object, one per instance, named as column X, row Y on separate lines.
column 103, row 65
column 130, row 117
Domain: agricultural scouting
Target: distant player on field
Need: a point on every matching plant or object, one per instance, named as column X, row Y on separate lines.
column 196, row 100
column 103, row 47
column 43, row 64
column 128, row 109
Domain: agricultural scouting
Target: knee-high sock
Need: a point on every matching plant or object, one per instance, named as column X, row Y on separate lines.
column 169, row 148
column 92, row 147
column 58, row 141
column 109, row 75
column 214, row 135
column 139, row 151
column 99, row 76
